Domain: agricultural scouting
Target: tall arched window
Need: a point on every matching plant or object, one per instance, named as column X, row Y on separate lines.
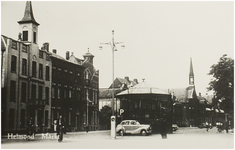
column 87, row 74
column 87, row 77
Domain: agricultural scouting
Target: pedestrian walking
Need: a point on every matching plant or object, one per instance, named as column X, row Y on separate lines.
column 60, row 123
column 60, row 128
column 226, row 126
column 30, row 128
column 54, row 125
column 207, row 126
column 87, row 128
column 219, row 126
column 163, row 128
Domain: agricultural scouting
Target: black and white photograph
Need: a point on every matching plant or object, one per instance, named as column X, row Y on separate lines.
column 117, row 74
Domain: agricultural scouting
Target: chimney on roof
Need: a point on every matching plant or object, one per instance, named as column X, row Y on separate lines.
column 54, row 51
column 136, row 81
column 67, row 55
column 127, row 79
column 200, row 94
column 46, row 46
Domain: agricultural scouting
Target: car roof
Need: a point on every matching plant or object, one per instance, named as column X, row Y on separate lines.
column 129, row 120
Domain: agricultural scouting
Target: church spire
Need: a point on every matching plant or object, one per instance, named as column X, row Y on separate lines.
column 28, row 14
column 191, row 74
column 28, row 27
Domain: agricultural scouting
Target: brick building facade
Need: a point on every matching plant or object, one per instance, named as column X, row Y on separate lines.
column 26, row 78
column 41, row 85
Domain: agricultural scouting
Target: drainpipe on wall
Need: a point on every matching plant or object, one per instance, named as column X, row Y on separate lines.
column 17, row 103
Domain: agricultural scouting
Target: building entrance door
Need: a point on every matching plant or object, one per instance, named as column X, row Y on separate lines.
column 39, row 120
column 77, row 122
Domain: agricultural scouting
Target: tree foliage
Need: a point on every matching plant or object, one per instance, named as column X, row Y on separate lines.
column 223, row 81
column 105, row 114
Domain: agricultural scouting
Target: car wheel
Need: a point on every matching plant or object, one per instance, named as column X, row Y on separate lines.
column 121, row 132
column 143, row 132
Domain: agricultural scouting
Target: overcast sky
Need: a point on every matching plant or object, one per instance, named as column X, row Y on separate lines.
column 159, row 37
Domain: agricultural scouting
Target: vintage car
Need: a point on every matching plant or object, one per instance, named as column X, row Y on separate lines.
column 175, row 127
column 203, row 125
column 133, row 127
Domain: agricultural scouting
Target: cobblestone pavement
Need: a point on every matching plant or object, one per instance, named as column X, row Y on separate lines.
column 184, row 138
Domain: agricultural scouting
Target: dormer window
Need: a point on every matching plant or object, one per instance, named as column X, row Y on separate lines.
column 25, row 35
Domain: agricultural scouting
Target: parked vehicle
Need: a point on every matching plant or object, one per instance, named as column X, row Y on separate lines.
column 220, row 126
column 133, row 127
column 203, row 125
column 175, row 127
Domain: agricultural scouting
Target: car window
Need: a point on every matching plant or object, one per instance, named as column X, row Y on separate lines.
column 127, row 123
column 133, row 123
column 123, row 123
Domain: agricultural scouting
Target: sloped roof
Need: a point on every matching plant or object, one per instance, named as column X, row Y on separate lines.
column 183, row 94
column 107, row 93
column 128, row 83
column 143, row 88
column 75, row 60
column 79, row 60
column 178, row 93
column 57, row 56
column 88, row 54
column 3, row 46
column 202, row 100
column 208, row 98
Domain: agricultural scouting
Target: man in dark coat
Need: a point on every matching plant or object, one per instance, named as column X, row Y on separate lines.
column 163, row 128
column 30, row 127
column 226, row 126
column 59, row 123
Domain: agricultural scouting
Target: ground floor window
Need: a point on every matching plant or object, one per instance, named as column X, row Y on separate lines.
column 11, row 118
column 22, row 118
column 46, row 118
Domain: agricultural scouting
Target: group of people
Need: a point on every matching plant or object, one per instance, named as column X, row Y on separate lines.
column 58, row 125
column 220, row 126
column 208, row 126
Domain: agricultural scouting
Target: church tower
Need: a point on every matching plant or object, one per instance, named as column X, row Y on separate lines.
column 191, row 74
column 28, row 27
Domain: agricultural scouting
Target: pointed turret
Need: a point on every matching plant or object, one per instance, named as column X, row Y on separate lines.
column 28, row 27
column 28, row 14
column 88, row 57
column 191, row 74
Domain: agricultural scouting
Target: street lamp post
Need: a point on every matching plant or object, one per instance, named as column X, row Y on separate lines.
column 113, row 118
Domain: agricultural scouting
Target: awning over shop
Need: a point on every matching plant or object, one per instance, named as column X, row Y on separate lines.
column 219, row 111
column 208, row 109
